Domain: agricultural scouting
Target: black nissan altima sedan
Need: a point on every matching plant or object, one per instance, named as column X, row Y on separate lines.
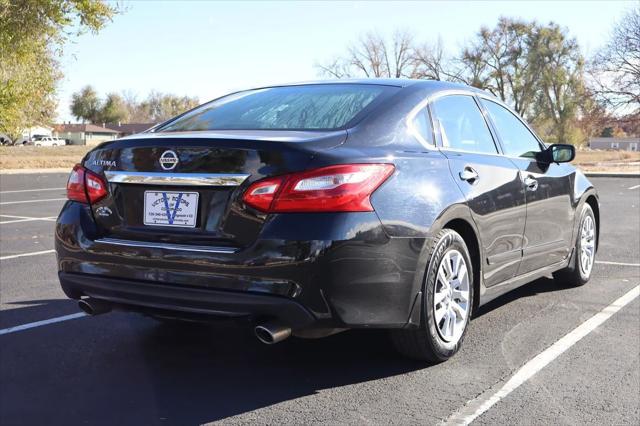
column 312, row 208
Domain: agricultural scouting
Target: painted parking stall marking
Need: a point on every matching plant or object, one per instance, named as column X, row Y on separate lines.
column 31, row 190
column 480, row 405
column 45, row 200
column 35, row 253
column 41, row 323
column 606, row 262
column 17, row 219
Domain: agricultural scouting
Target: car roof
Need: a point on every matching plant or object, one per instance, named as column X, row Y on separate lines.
column 395, row 82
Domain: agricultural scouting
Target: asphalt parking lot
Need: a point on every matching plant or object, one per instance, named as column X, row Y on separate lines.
column 122, row 368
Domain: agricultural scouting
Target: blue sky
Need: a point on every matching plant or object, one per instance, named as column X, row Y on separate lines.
column 206, row 49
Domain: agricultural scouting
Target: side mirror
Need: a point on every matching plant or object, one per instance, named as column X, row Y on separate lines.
column 561, row 153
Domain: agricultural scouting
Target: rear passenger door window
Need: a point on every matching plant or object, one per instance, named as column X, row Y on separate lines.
column 462, row 126
column 516, row 138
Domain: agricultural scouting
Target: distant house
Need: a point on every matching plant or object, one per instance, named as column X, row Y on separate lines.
column 85, row 134
column 126, row 129
column 622, row 144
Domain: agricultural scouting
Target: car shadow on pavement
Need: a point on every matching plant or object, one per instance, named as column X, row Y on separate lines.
column 542, row 285
column 229, row 372
column 203, row 374
column 123, row 368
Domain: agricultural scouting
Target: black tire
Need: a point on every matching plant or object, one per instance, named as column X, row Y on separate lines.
column 425, row 343
column 574, row 274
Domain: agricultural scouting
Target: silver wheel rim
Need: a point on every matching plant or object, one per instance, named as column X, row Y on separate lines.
column 451, row 296
column 587, row 245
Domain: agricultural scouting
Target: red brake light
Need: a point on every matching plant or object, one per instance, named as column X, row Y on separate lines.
column 340, row 188
column 85, row 186
column 95, row 186
column 261, row 193
column 75, row 185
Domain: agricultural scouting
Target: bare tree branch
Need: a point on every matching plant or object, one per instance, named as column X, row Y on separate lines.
column 615, row 69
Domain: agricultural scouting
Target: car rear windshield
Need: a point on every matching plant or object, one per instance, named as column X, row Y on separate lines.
column 306, row 107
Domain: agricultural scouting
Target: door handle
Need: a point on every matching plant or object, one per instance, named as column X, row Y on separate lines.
column 531, row 183
column 469, row 174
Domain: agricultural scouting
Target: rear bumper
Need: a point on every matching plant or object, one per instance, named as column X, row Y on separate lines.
column 324, row 270
column 184, row 301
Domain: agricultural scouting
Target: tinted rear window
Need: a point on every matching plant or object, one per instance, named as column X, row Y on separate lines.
column 309, row 107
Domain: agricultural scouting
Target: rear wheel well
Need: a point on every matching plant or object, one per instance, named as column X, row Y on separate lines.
column 591, row 200
column 467, row 233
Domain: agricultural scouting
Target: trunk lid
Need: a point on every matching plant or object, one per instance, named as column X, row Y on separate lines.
column 204, row 174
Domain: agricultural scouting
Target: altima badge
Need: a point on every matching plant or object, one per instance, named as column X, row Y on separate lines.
column 169, row 160
column 103, row 211
column 104, row 163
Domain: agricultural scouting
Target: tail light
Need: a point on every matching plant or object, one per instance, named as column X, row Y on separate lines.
column 341, row 188
column 85, row 186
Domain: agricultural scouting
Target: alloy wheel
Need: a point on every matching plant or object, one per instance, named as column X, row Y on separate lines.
column 451, row 296
column 587, row 245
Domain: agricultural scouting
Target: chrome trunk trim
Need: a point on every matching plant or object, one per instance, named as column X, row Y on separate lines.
column 176, row 179
column 166, row 246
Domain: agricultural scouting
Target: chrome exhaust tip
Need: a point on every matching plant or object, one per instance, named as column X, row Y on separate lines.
column 272, row 332
column 93, row 306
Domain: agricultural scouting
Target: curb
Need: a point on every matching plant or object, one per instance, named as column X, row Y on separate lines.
column 613, row 174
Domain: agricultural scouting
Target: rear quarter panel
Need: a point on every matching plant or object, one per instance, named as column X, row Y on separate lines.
column 582, row 190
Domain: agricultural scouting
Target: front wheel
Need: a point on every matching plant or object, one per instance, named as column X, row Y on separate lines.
column 447, row 298
column 578, row 271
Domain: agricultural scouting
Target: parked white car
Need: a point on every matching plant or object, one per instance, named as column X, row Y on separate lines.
column 49, row 141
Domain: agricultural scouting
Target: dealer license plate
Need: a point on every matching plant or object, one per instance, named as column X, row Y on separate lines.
column 165, row 208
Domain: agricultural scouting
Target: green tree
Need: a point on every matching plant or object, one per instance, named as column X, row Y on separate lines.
column 160, row 106
column 607, row 132
column 85, row 105
column 32, row 35
column 537, row 69
column 500, row 60
column 113, row 109
column 560, row 86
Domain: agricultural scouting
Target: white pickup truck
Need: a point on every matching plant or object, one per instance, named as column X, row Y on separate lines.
column 49, row 141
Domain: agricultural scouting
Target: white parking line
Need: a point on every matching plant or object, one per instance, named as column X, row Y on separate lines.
column 34, row 253
column 12, row 216
column 635, row 187
column 24, row 219
column 6, row 203
column 475, row 408
column 606, row 262
column 4, row 222
column 32, row 190
column 43, row 322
